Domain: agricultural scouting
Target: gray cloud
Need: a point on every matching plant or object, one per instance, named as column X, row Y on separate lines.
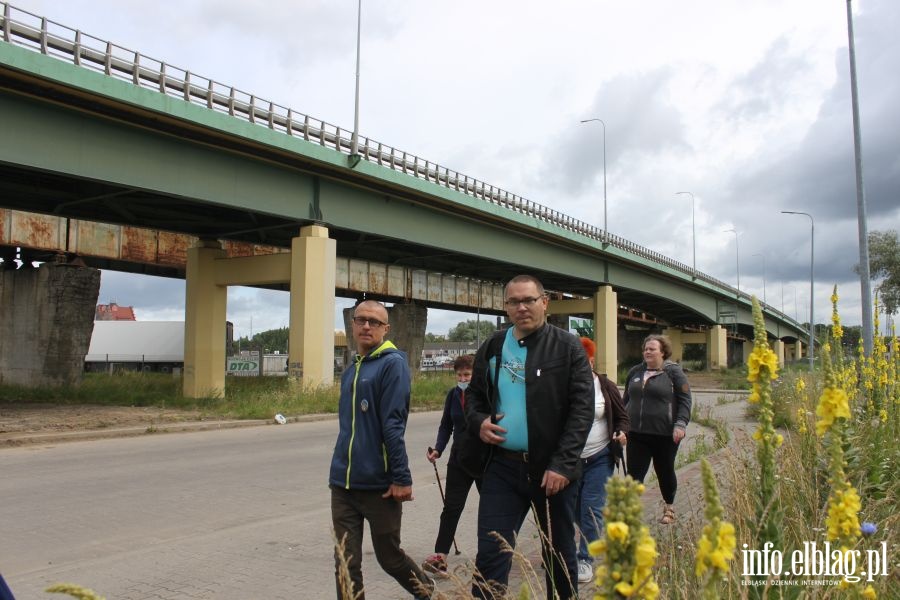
column 641, row 120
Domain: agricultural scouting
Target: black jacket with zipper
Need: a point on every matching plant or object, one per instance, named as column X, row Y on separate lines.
column 559, row 397
column 660, row 404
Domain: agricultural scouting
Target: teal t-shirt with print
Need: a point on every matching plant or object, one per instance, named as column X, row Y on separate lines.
column 512, row 394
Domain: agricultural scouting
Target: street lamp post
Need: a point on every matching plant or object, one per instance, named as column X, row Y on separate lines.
column 812, row 258
column 604, row 172
column 693, row 228
column 764, row 274
column 737, row 258
column 868, row 332
column 354, row 142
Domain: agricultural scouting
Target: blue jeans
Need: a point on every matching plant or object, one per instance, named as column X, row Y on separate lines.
column 596, row 469
column 507, row 493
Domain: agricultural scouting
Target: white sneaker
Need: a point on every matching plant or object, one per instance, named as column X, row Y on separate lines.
column 585, row 571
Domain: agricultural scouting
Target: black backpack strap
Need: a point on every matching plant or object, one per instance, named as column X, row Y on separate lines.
column 497, row 352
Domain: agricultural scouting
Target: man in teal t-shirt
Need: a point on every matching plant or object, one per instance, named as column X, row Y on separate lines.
column 535, row 407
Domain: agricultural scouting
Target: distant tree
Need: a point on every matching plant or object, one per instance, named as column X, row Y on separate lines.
column 466, row 331
column 884, row 264
column 850, row 338
column 434, row 337
column 265, row 341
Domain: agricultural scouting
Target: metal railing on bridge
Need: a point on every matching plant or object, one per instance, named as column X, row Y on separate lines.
column 42, row 35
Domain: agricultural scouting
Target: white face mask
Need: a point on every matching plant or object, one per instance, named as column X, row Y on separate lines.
column 462, row 385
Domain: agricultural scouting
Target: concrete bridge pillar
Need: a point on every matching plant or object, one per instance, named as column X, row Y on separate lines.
column 204, row 322
column 798, row 354
column 311, row 332
column 778, row 349
column 674, row 336
column 716, row 347
column 46, row 322
column 748, row 348
column 606, row 331
column 408, row 322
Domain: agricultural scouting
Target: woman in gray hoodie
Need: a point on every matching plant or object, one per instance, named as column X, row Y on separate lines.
column 658, row 400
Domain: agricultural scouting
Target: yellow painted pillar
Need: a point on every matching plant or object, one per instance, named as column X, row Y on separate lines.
column 778, row 349
column 605, row 331
column 748, row 348
column 674, row 336
column 311, row 338
column 204, row 323
column 716, row 347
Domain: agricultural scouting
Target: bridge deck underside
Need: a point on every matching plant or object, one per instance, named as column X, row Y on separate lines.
column 82, row 156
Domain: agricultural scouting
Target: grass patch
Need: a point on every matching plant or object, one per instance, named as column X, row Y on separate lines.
column 245, row 397
column 719, row 427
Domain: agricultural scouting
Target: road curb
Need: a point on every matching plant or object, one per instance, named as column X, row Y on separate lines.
column 22, row 438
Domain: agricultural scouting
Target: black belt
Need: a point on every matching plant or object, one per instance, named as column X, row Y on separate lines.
column 511, row 454
column 605, row 453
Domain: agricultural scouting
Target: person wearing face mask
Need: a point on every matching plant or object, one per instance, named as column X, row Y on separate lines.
column 458, row 482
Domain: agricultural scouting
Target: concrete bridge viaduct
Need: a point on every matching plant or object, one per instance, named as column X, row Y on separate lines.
column 96, row 133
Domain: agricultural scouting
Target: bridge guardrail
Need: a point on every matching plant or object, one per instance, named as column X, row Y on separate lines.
column 42, row 35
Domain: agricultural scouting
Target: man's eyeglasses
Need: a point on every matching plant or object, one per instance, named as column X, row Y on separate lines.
column 372, row 322
column 526, row 302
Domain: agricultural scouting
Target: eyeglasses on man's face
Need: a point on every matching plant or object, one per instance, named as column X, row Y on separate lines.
column 362, row 321
column 526, row 302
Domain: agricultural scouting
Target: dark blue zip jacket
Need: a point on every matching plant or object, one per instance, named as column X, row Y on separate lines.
column 453, row 422
column 370, row 452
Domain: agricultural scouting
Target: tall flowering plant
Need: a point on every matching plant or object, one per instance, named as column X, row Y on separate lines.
column 628, row 551
column 833, row 414
column 715, row 548
column 762, row 368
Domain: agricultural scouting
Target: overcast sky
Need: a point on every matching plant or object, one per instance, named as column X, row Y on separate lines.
column 744, row 104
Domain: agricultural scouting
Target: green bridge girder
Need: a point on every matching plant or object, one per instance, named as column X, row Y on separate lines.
column 81, row 144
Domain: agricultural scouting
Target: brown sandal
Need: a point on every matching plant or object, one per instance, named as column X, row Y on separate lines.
column 668, row 516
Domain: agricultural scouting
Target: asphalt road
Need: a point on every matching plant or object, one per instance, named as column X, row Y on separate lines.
column 239, row 514
column 224, row 514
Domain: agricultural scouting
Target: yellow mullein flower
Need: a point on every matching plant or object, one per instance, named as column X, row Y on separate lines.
column 801, row 420
column 645, row 554
column 715, row 548
column 628, row 552
column 625, row 588
column 869, row 593
column 617, row 530
column 843, row 515
column 832, row 405
column 597, row 547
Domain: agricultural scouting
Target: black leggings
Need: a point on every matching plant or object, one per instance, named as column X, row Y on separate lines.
column 644, row 447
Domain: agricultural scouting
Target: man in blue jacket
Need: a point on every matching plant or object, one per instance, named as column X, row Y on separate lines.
column 370, row 475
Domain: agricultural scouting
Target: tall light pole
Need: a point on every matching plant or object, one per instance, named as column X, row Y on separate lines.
column 693, row 228
column 354, row 142
column 812, row 259
column 604, row 172
column 737, row 258
column 865, row 282
column 764, row 274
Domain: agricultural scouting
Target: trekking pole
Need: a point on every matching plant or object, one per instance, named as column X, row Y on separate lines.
column 443, row 500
